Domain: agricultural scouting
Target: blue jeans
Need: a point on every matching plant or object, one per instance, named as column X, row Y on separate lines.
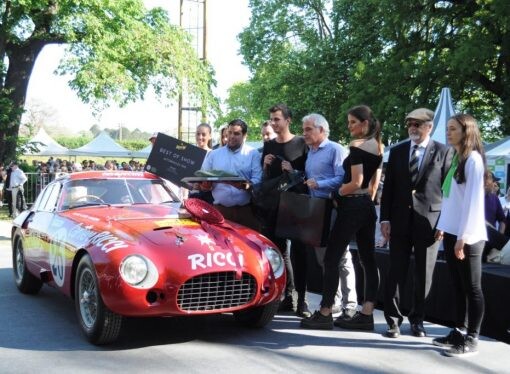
column 356, row 217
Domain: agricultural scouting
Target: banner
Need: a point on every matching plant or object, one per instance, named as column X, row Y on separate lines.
column 174, row 159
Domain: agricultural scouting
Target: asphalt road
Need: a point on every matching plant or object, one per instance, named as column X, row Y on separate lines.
column 41, row 333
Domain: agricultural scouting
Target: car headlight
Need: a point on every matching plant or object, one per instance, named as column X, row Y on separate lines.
column 138, row 271
column 275, row 259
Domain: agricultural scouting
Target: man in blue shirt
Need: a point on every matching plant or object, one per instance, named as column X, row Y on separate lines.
column 236, row 157
column 324, row 173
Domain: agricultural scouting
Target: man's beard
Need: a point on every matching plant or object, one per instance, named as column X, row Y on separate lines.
column 414, row 137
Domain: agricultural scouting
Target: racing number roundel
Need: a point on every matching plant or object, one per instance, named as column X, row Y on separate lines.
column 57, row 256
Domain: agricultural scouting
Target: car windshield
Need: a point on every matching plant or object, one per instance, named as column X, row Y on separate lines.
column 78, row 193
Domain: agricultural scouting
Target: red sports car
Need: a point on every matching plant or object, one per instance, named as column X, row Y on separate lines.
column 122, row 244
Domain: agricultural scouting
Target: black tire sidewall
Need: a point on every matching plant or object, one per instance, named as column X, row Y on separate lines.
column 27, row 282
column 18, row 278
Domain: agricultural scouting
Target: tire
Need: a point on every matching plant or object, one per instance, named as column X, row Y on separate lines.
column 99, row 324
column 25, row 281
column 259, row 316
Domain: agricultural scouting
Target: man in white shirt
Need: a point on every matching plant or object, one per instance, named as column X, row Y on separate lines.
column 238, row 158
column 18, row 179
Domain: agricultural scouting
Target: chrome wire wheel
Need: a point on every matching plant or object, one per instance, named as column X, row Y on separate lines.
column 88, row 296
column 98, row 323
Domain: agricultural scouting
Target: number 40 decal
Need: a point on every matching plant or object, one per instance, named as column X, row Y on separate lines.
column 57, row 256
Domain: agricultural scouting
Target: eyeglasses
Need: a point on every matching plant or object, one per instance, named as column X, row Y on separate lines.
column 414, row 123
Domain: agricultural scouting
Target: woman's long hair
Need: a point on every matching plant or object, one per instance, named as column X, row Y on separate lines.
column 470, row 142
column 364, row 113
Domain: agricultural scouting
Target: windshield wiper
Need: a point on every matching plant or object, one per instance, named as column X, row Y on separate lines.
column 87, row 204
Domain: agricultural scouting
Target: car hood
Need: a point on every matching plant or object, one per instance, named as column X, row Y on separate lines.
column 163, row 225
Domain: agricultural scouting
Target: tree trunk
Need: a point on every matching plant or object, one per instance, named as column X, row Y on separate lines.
column 21, row 62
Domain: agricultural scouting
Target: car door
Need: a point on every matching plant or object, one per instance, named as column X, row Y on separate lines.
column 39, row 231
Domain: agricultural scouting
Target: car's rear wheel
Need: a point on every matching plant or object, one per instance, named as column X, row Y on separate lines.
column 100, row 325
column 259, row 316
column 25, row 281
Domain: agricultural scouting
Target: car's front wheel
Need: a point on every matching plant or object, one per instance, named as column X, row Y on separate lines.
column 25, row 281
column 100, row 325
column 258, row 316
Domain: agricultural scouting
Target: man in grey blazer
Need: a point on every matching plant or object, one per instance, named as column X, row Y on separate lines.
column 410, row 207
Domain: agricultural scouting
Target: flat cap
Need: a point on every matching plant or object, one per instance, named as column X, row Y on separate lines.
column 422, row 114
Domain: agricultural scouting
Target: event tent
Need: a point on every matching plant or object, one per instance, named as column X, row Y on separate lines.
column 46, row 145
column 499, row 148
column 101, row 146
column 498, row 159
column 443, row 112
column 143, row 153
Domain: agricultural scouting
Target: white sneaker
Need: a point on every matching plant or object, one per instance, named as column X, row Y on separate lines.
column 494, row 256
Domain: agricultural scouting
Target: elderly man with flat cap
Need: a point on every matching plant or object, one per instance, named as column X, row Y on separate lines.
column 410, row 207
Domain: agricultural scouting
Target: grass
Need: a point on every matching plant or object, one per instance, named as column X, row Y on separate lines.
column 4, row 214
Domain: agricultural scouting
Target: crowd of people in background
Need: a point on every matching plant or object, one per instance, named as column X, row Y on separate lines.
column 57, row 167
column 44, row 172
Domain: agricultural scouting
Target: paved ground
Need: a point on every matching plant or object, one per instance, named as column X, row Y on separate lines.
column 42, row 332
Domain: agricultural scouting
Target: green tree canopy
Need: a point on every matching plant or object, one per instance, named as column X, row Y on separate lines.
column 393, row 55
column 116, row 51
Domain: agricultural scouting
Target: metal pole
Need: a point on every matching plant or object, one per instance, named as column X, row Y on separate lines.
column 204, row 49
column 179, row 109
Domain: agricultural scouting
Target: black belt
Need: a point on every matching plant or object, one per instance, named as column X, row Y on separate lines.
column 233, row 206
column 355, row 195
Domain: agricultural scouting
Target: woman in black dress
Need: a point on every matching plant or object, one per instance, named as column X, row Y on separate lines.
column 356, row 218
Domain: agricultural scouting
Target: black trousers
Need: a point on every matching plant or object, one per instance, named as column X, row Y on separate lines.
column 466, row 276
column 294, row 255
column 425, row 256
column 356, row 217
column 8, row 200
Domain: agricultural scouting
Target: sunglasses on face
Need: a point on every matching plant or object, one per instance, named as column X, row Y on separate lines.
column 414, row 123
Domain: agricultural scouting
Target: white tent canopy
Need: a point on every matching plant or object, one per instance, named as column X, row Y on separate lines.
column 46, row 145
column 101, row 145
column 499, row 148
column 444, row 111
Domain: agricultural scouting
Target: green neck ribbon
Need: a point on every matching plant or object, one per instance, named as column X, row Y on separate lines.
column 447, row 184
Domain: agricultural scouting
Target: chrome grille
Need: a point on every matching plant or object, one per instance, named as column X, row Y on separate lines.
column 216, row 291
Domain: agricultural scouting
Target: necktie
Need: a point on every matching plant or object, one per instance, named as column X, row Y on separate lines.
column 413, row 165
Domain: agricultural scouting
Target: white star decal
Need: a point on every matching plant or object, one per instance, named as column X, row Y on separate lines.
column 204, row 239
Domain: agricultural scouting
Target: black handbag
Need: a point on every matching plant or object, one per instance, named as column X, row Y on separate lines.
column 305, row 218
column 265, row 196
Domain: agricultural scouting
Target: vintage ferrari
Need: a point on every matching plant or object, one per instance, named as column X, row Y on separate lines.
column 121, row 244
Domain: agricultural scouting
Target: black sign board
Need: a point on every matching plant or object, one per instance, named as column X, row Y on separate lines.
column 174, row 159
